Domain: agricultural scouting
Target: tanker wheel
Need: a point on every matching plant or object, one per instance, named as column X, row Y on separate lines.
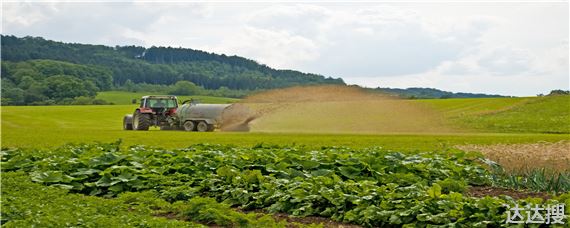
column 141, row 122
column 203, row 126
column 128, row 123
column 189, row 126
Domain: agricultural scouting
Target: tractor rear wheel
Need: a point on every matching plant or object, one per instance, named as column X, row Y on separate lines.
column 141, row 122
column 189, row 126
column 203, row 126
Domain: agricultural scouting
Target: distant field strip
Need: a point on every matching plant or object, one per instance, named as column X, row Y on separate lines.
column 533, row 114
column 473, row 106
column 124, row 98
column 49, row 126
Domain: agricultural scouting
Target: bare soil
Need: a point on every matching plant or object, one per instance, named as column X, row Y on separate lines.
column 291, row 220
column 327, row 223
column 482, row 191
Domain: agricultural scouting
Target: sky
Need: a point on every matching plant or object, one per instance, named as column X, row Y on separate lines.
column 507, row 48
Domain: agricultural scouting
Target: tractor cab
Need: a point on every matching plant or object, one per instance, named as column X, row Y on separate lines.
column 158, row 104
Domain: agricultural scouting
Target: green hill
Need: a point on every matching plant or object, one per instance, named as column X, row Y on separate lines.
column 28, row 63
column 549, row 114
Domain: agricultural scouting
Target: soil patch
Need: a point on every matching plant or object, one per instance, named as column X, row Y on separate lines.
column 482, row 191
column 327, row 223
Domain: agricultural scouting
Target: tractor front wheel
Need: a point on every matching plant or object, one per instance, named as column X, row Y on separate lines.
column 128, row 122
column 141, row 122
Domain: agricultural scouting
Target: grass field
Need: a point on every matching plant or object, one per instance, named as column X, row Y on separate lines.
column 48, row 126
column 124, row 98
column 531, row 114
column 370, row 184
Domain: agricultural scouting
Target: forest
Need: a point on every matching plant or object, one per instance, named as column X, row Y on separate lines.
column 36, row 71
column 40, row 71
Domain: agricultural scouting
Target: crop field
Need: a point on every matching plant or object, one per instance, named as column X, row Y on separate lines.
column 330, row 158
column 368, row 187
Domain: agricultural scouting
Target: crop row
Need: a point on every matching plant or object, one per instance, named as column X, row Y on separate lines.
column 370, row 187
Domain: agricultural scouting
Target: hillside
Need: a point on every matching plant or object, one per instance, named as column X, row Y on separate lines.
column 548, row 114
column 29, row 61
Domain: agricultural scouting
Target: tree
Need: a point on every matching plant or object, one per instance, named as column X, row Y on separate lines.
column 185, row 88
column 26, row 82
column 558, row 92
column 130, row 86
column 35, row 93
column 13, row 96
column 65, row 86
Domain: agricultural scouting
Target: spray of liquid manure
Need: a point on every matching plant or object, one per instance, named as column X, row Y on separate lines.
column 331, row 109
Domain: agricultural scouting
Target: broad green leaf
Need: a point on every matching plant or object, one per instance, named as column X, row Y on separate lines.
column 321, row 172
column 116, row 188
column 434, row 191
column 349, row 171
column 83, row 171
column 64, row 186
column 47, row 177
column 125, row 177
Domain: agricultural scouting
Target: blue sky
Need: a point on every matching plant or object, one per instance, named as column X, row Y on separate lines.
column 504, row 48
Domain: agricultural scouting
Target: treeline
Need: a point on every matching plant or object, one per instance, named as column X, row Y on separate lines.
column 92, row 68
column 43, row 82
column 430, row 93
column 183, row 88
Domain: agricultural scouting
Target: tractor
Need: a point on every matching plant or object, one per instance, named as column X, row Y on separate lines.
column 163, row 111
column 152, row 111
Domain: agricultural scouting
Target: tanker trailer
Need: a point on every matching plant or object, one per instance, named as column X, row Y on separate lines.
column 201, row 117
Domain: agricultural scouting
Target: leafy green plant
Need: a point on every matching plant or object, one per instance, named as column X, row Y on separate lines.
column 537, row 180
column 370, row 187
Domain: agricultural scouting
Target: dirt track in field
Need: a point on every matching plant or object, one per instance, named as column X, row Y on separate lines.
column 339, row 109
column 482, row 191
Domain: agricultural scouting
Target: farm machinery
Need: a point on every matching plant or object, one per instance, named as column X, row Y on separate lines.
column 163, row 111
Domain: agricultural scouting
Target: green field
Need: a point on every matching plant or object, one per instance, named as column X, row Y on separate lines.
column 124, row 98
column 528, row 114
column 49, row 126
column 351, row 177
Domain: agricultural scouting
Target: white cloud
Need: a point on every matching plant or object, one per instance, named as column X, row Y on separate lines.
column 491, row 61
column 471, row 47
column 279, row 49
